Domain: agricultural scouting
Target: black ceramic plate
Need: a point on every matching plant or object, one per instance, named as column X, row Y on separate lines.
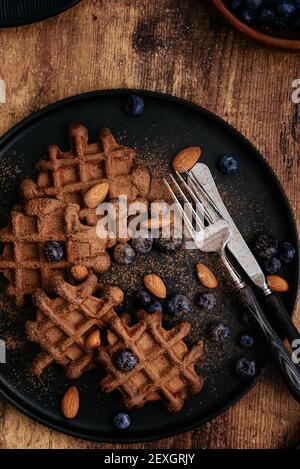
column 255, row 200
column 20, row 12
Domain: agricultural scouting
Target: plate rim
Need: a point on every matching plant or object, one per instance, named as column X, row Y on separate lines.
column 41, row 17
column 11, row 133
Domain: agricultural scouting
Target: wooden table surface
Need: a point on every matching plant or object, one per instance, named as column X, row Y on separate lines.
column 179, row 47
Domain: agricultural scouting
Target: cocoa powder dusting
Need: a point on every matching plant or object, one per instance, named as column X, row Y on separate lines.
column 178, row 272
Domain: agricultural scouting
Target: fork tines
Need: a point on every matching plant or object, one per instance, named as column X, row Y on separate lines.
column 185, row 207
column 194, row 203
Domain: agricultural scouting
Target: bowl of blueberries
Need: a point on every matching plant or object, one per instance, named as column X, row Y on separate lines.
column 272, row 22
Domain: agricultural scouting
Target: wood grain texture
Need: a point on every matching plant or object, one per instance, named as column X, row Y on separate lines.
column 180, row 47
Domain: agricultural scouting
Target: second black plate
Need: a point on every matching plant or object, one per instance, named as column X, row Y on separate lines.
column 20, row 12
column 256, row 202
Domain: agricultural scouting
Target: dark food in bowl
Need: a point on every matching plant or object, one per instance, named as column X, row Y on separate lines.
column 276, row 17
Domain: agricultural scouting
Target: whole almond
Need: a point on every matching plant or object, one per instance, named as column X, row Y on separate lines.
column 206, row 276
column 79, row 272
column 277, row 283
column 155, row 285
column 186, row 159
column 70, row 403
column 93, row 340
column 96, row 194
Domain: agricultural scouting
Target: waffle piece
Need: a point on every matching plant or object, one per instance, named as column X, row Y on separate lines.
column 23, row 261
column 165, row 369
column 158, row 190
column 64, row 323
column 68, row 175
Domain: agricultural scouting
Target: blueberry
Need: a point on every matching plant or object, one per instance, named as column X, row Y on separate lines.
column 125, row 360
column 245, row 368
column 207, row 300
column 266, row 16
column 143, row 299
column 220, row 332
column 246, row 15
column 235, row 4
column 155, row 306
column 170, row 244
column 142, row 245
column 246, row 341
column 54, row 251
column 228, row 164
column 179, row 305
column 265, row 246
column 122, row 421
column 285, row 9
column 135, row 105
column 124, row 254
column 254, row 4
column 272, row 266
column 286, row 250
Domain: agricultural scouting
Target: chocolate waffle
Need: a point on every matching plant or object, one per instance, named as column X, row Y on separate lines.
column 165, row 366
column 69, row 175
column 23, row 261
column 64, row 323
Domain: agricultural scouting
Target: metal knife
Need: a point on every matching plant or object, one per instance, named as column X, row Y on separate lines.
column 240, row 250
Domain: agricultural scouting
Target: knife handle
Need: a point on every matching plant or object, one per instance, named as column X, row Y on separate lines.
column 282, row 318
column 289, row 370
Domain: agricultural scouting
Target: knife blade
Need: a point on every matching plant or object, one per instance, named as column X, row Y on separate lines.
column 237, row 245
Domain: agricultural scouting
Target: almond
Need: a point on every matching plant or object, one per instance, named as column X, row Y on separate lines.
column 206, row 276
column 186, row 159
column 79, row 272
column 113, row 294
column 160, row 222
column 288, row 346
column 155, row 285
column 277, row 283
column 93, row 340
column 96, row 195
column 70, row 403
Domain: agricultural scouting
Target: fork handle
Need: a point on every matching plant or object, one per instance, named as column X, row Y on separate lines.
column 289, row 370
column 282, row 318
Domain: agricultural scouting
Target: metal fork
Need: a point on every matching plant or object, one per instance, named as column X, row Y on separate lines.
column 212, row 234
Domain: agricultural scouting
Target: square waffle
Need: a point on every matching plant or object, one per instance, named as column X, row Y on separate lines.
column 23, row 261
column 68, row 175
column 165, row 369
column 64, row 323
